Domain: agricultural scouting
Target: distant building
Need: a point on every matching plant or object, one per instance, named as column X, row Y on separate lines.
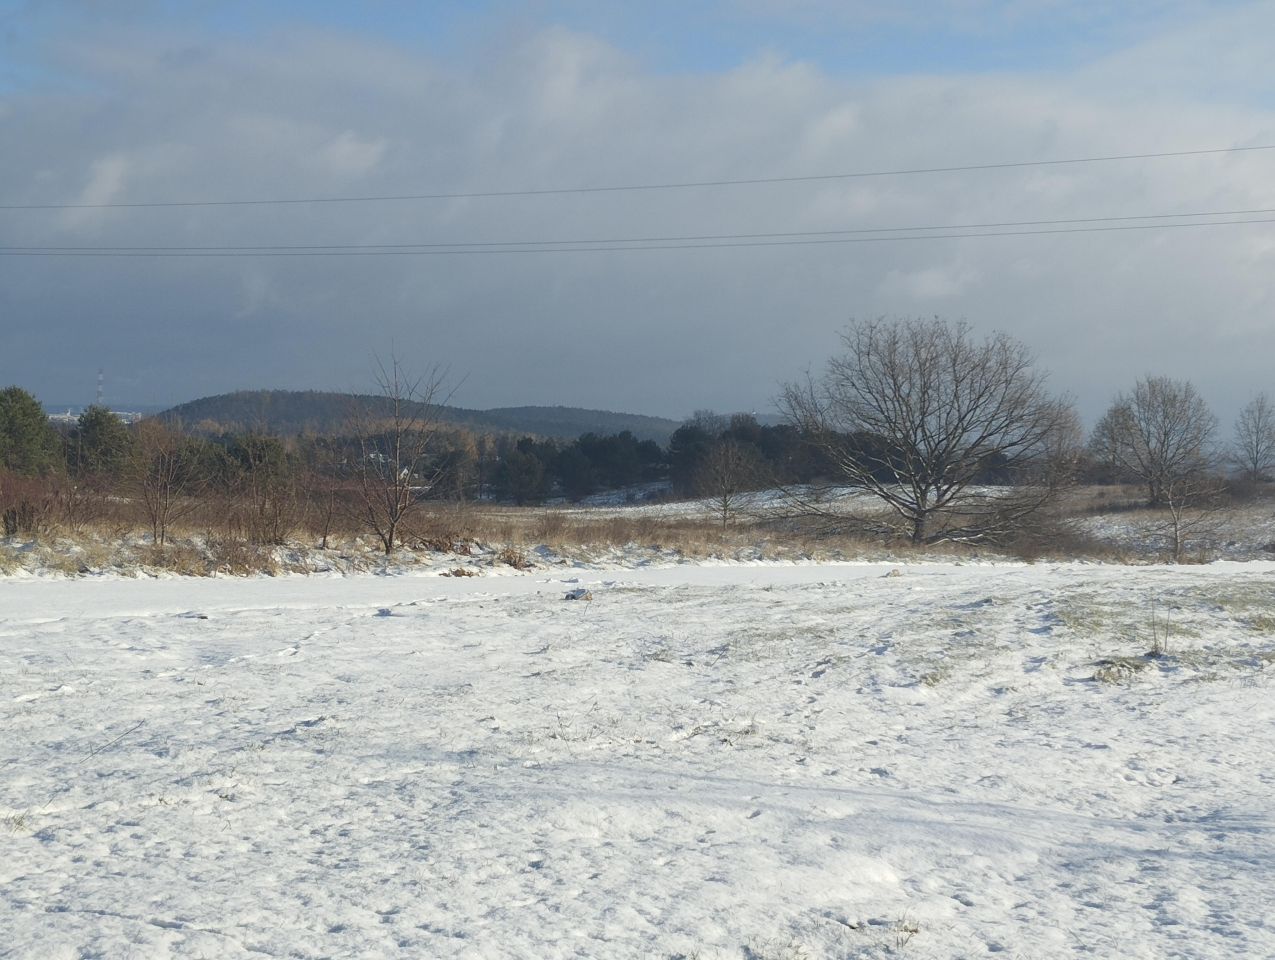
column 71, row 417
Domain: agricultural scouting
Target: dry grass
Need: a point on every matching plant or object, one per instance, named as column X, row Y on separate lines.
column 212, row 539
column 10, row 560
column 238, row 557
column 500, row 536
column 1054, row 538
column 1103, row 498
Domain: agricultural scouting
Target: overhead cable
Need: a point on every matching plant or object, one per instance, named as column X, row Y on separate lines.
column 684, row 238
column 608, row 246
column 675, row 185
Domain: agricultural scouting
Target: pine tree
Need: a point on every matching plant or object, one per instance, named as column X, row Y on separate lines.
column 28, row 444
column 101, row 444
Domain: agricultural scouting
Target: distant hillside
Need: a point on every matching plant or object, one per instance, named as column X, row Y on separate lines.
column 299, row 411
column 571, row 422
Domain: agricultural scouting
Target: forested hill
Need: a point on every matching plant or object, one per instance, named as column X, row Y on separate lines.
column 286, row 412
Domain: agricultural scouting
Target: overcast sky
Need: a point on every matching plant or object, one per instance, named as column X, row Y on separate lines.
column 136, row 102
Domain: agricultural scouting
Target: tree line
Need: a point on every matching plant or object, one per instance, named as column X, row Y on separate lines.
column 166, row 468
column 949, row 436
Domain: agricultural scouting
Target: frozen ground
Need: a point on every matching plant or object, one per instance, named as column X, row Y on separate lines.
column 757, row 503
column 1244, row 533
column 745, row 762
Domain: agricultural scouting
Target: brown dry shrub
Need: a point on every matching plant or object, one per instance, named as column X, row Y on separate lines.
column 447, row 542
column 513, row 557
column 443, row 528
column 179, row 558
column 28, row 505
column 239, row 557
column 1052, row 538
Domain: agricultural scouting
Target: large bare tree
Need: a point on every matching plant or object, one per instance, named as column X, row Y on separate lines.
column 918, row 412
column 1160, row 436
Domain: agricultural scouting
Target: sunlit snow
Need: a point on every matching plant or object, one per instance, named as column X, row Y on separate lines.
column 927, row 760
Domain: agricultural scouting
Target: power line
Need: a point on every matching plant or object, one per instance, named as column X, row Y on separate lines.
column 693, row 238
column 353, row 251
column 557, row 191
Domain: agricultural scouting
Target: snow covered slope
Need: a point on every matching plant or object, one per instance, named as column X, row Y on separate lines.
column 766, row 762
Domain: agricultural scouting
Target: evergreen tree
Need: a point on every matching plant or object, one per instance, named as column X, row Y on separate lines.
column 28, row 444
column 101, row 444
column 522, row 475
column 687, row 449
column 576, row 473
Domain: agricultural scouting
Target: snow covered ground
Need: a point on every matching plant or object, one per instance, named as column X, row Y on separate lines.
column 756, row 503
column 1244, row 533
column 931, row 760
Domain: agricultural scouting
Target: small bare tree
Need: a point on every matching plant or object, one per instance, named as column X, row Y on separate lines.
column 1196, row 503
column 165, row 476
column 1159, row 436
column 267, row 488
column 323, row 485
column 728, row 472
column 1253, row 450
column 918, row 412
column 394, row 434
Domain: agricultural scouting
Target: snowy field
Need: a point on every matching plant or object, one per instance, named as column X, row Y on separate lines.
column 1244, row 533
column 934, row 760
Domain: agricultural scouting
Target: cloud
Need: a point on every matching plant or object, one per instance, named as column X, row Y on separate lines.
column 174, row 115
column 106, row 180
column 937, row 283
column 983, row 15
column 1221, row 59
column 348, row 156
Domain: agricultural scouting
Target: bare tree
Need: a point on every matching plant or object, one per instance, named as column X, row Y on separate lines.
column 1159, row 436
column 267, row 488
column 165, row 476
column 728, row 472
column 1254, row 445
column 918, row 412
column 323, row 485
column 394, row 433
column 1196, row 504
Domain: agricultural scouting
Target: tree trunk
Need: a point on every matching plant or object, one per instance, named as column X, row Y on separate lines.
column 919, row 528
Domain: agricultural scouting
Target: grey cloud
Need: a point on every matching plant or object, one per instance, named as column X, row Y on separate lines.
column 984, row 16
column 311, row 113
